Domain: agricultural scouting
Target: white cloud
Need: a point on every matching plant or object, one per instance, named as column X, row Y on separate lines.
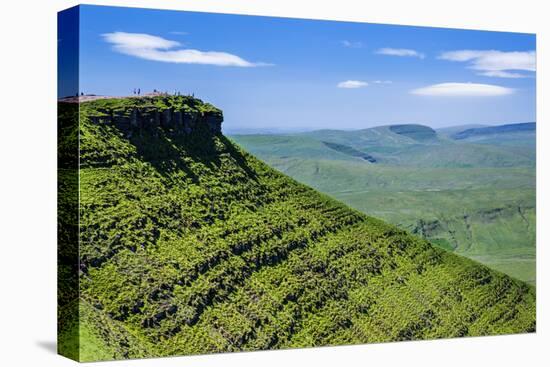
column 351, row 44
column 148, row 47
column 350, row 84
column 400, row 52
column 382, row 82
column 462, row 90
column 495, row 63
column 503, row 74
column 123, row 40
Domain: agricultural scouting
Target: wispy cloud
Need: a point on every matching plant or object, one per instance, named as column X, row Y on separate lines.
column 404, row 52
column 382, row 82
column 351, row 44
column 462, row 90
column 503, row 74
column 352, row 84
column 494, row 63
column 179, row 33
column 149, row 47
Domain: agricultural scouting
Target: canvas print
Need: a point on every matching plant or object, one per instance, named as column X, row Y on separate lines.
column 235, row 183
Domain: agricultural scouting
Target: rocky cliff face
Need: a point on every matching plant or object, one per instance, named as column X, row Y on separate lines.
column 174, row 114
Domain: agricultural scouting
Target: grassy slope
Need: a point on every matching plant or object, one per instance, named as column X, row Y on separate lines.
column 451, row 130
column 190, row 245
column 475, row 199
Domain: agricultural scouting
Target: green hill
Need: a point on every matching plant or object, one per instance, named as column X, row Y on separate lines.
column 510, row 135
column 495, row 130
column 188, row 245
column 418, row 146
column 451, row 130
column 414, row 131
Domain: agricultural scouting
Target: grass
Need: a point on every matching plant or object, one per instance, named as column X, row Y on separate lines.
column 477, row 199
column 188, row 245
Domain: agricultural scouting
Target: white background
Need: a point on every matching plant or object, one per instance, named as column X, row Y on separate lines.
column 28, row 181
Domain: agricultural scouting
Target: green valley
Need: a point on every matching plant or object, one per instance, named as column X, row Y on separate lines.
column 474, row 195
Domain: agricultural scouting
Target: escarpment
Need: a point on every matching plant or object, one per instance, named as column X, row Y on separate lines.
column 174, row 114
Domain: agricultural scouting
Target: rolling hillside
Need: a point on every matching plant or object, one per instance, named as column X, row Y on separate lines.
column 191, row 245
column 527, row 127
column 510, row 135
column 451, row 130
column 476, row 198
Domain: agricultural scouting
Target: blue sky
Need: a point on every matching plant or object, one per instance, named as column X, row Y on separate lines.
column 284, row 73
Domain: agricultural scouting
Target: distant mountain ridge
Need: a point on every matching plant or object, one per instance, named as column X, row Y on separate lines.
column 412, row 130
column 453, row 129
column 398, row 145
column 489, row 130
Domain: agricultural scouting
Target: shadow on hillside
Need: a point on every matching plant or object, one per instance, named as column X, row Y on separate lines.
column 238, row 156
column 171, row 153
